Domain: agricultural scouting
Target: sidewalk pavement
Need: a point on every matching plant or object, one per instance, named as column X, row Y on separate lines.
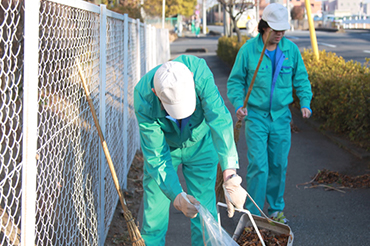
column 317, row 217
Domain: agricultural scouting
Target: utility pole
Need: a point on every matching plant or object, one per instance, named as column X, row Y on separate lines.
column 204, row 17
column 312, row 30
column 287, row 7
column 219, row 13
column 163, row 11
column 142, row 9
column 226, row 22
column 289, row 15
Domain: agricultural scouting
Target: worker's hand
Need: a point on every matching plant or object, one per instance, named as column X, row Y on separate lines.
column 306, row 113
column 241, row 113
column 235, row 194
column 186, row 206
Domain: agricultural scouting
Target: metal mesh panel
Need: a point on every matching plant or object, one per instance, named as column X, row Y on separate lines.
column 73, row 182
column 68, row 144
column 132, row 129
column 114, row 113
column 11, row 110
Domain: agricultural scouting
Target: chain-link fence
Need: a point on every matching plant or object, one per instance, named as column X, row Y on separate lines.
column 56, row 188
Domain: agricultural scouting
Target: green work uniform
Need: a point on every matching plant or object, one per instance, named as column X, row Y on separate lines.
column 267, row 125
column 205, row 140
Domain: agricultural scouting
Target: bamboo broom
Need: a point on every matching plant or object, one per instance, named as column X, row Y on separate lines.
column 219, row 179
column 134, row 232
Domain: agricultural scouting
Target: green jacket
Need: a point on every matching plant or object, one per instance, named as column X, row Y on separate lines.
column 157, row 133
column 271, row 93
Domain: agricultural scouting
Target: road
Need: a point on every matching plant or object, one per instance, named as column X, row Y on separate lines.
column 351, row 44
column 317, row 216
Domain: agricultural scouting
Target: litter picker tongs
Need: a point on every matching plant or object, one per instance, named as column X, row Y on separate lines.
column 249, row 215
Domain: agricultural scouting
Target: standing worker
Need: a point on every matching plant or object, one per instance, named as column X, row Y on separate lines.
column 193, row 24
column 183, row 120
column 267, row 116
column 197, row 25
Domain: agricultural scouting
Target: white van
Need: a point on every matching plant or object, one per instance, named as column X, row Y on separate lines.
column 247, row 15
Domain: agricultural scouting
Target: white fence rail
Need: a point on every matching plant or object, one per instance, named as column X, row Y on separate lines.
column 356, row 22
column 56, row 188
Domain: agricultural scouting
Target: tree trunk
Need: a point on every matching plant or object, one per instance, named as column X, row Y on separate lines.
column 237, row 30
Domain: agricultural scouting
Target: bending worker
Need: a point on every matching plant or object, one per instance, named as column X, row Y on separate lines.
column 267, row 116
column 183, row 120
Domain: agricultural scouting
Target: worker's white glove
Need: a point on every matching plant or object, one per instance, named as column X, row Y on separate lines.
column 185, row 203
column 235, row 194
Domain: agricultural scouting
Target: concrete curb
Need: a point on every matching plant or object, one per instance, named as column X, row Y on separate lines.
column 340, row 141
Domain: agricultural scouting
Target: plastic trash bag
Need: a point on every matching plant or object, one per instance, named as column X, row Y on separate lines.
column 213, row 233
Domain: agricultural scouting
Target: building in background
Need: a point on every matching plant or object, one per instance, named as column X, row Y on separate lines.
column 341, row 8
column 315, row 5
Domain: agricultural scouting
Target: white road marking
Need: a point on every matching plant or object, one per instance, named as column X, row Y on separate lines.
column 367, row 51
column 329, row 45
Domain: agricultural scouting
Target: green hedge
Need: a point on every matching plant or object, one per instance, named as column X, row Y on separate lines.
column 341, row 94
column 341, row 90
column 228, row 47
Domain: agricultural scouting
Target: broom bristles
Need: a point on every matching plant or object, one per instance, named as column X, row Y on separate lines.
column 134, row 232
column 238, row 125
column 219, row 181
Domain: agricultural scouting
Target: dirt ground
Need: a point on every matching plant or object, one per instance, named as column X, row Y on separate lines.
column 118, row 234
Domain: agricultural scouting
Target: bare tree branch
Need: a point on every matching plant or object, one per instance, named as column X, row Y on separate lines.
column 235, row 9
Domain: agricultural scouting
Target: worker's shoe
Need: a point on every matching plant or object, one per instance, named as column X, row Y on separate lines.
column 279, row 217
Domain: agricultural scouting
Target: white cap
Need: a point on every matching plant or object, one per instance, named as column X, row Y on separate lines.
column 174, row 85
column 276, row 16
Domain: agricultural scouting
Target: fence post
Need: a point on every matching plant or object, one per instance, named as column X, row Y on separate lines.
column 138, row 41
column 153, row 49
column 102, row 86
column 141, row 64
column 126, row 33
column 146, row 48
column 149, row 44
column 167, row 34
column 30, row 108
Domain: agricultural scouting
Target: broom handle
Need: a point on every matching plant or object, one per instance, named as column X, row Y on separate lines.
column 238, row 124
column 255, row 72
column 102, row 140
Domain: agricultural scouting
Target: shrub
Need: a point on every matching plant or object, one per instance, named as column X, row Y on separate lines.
column 228, row 47
column 341, row 95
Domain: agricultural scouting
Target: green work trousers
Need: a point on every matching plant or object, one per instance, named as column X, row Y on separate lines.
column 268, row 148
column 199, row 167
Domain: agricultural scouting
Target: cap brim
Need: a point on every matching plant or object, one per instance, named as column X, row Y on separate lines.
column 279, row 26
column 181, row 110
